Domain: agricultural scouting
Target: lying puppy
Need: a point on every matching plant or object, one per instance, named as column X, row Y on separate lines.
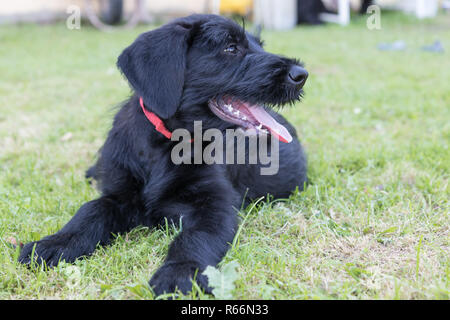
column 200, row 69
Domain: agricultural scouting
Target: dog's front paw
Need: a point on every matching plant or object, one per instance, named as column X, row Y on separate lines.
column 174, row 276
column 50, row 251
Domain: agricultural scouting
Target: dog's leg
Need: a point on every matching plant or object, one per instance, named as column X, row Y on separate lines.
column 93, row 224
column 208, row 226
column 197, row 246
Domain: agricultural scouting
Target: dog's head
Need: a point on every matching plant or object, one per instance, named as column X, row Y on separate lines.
column 204, row 64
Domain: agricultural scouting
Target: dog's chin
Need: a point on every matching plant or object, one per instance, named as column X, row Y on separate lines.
column 252, row 118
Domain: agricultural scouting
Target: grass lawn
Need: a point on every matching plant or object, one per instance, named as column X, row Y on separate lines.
column 373, row 223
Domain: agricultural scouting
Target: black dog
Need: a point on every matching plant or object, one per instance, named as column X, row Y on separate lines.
column 194, row 68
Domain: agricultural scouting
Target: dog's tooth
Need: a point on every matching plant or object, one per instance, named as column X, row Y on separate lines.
column 236, row 112
column 244, row 118
column 259, row 127
column 229, row 107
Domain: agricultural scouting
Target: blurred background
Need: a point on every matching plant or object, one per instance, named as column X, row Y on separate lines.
column 272, row 14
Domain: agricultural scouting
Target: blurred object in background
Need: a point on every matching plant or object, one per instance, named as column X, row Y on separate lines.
column 421, row 8
column 38, row 11
column 337, row 11
column 108, row 15
column 398, row 45
column 446, row 5
column 436, row 47
column 272, row 14
column 111, row 11
column 107, row 12
column 356, row 5
column 240, row 7
column 276, row 15
column 102, row 13
column 308, row 11
column 426, row 8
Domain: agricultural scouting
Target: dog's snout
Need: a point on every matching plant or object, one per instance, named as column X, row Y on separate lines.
column 297, row 76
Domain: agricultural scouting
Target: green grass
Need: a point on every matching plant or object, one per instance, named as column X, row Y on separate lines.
column 373, row 223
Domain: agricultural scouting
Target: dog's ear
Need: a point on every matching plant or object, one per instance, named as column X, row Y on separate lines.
column 154, row 65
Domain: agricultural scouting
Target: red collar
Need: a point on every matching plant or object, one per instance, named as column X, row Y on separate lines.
column 155, row 120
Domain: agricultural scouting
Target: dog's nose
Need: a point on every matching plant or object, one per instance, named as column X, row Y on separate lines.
column 297, row 76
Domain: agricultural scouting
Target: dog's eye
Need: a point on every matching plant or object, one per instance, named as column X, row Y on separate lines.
column 232, row 48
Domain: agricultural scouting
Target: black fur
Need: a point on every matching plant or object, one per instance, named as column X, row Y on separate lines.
column 177, row 69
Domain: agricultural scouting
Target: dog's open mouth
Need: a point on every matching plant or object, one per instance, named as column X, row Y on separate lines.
column 248, row 116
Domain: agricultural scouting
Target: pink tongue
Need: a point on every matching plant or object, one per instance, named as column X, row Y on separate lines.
column 266, row 120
